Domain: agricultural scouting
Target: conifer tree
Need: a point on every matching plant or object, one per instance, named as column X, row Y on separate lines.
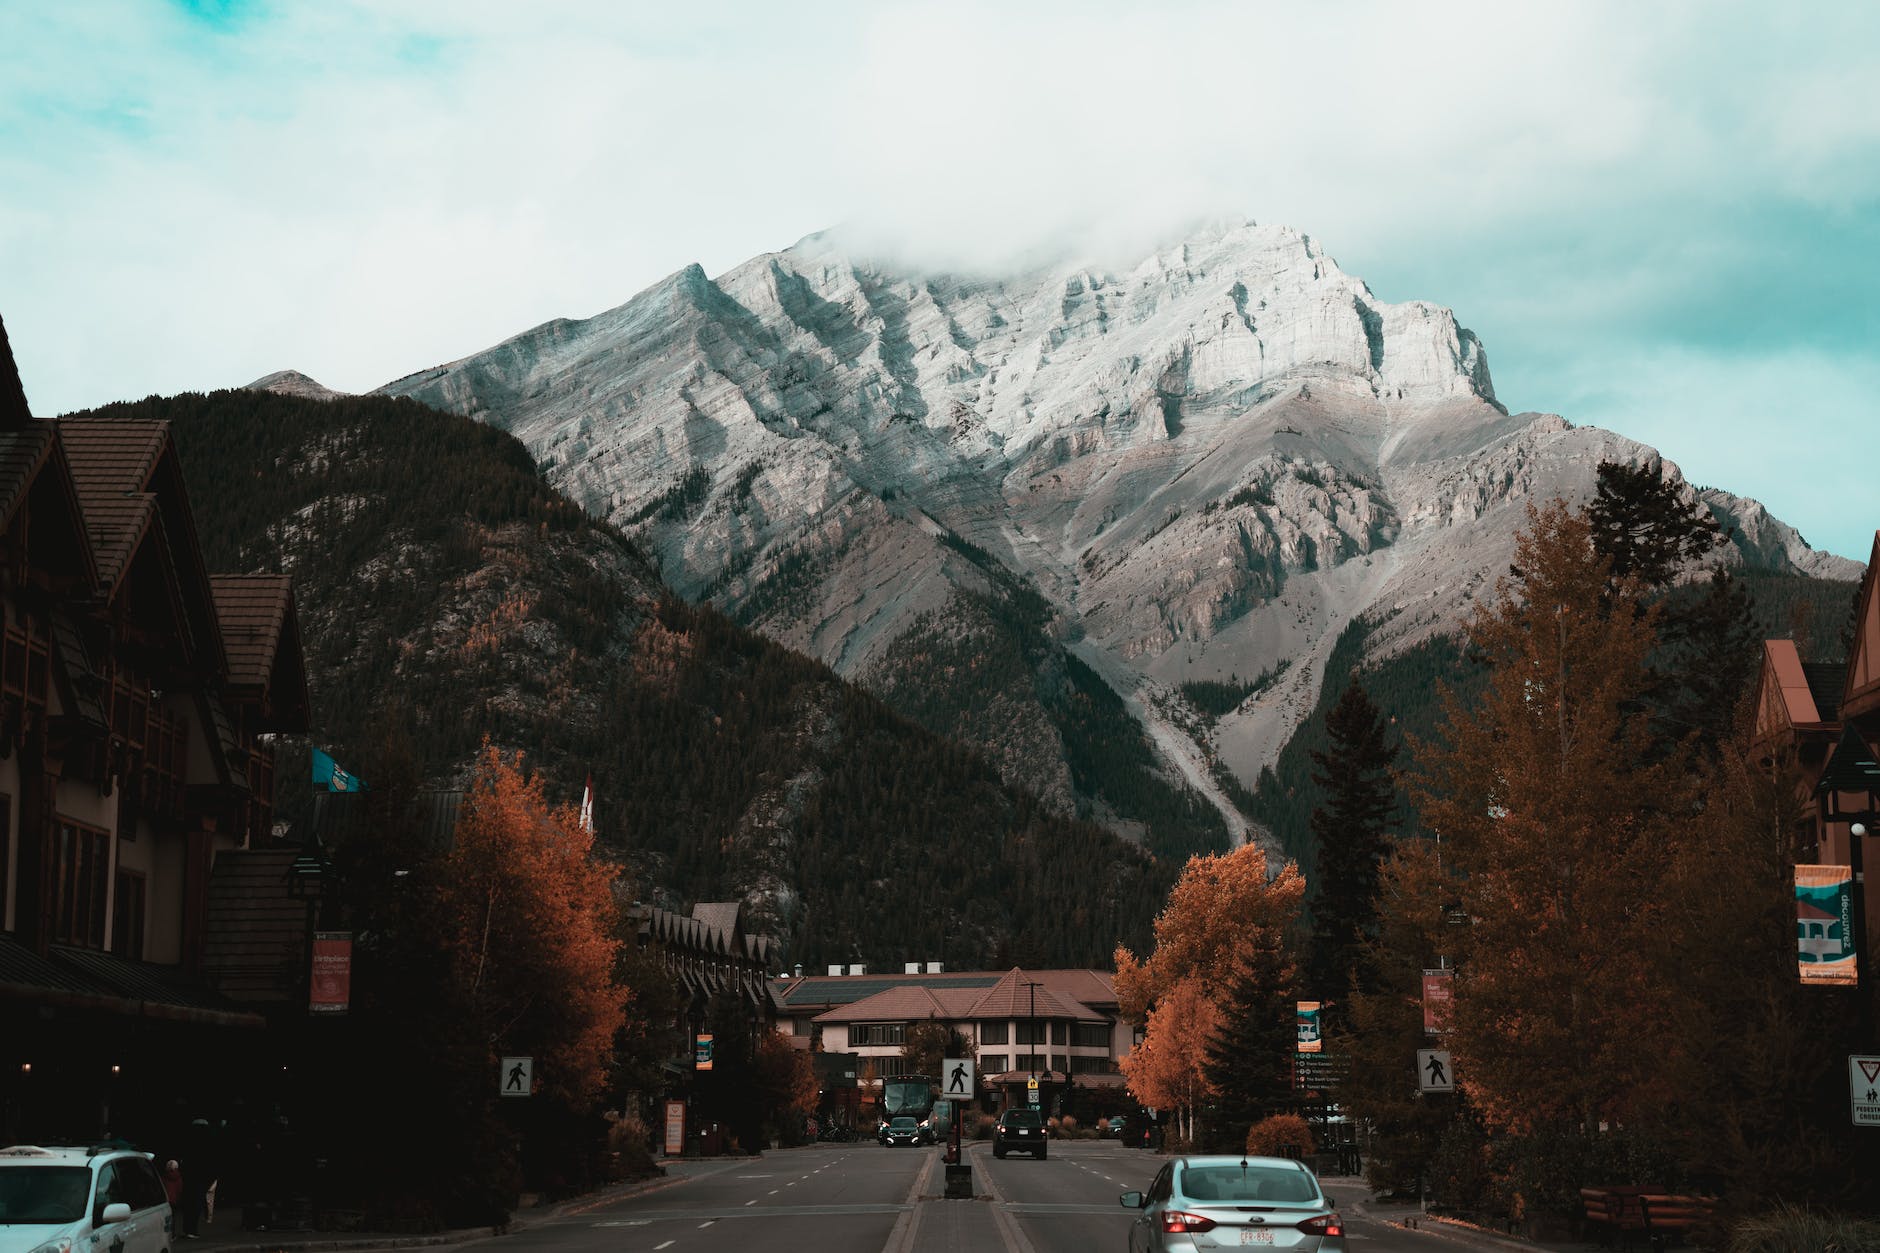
column 1350, row 830
column 1645, row 527
column 1249, row 1058
column 1559, row 822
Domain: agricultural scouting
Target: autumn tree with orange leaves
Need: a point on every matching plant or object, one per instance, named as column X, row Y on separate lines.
column 1225, row 917
column 1558, row 822
column 527, row 917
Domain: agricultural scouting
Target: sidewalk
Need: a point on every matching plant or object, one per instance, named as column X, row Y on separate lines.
column 1355, row 1198
column 226, row 1235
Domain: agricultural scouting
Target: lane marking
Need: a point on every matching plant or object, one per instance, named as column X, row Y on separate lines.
column 666, row 1245
column 708, row 1222
column 752, row 1201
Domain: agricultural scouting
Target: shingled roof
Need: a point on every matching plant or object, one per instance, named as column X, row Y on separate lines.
column 112, row 463
column 13, row 410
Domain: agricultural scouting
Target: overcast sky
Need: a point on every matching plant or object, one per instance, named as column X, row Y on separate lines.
column 1660, row 218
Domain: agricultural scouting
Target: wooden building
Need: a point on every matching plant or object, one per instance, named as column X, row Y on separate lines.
column 138, row 699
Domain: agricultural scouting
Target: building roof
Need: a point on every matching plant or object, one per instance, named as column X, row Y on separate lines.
column 964, row 996
column 83, row 979
column 1825, row 681
column 13, row 410
column 910, row 1003
column 827, row 991
column 252, row 609
column 1018, row 994
column 22, row 452
column 112, row 464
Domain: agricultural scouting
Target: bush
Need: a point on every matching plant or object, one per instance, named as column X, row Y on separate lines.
column 1065, row 1126
column 1798, row 1229
column 631, row 1145
column 983, row 1125
column 1537, row 1177
column 1270, row 1136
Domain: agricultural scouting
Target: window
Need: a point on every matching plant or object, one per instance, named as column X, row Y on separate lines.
column 994, row 1063
column 127, row 916
column 1093, row 1066
column 1060, row 1032
column 1091, row 1035
column 140, row 1180
column 1060, row 1062
column 889, row 1067
column 876, row 1033
column 1030, row 1032
column 1030, row 1061
column 83, row 884
column 992, row 1032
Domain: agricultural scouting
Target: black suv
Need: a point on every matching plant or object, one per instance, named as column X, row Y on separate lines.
column 1021, row 1130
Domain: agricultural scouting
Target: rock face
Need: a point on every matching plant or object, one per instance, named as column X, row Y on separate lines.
column 293, row 383
column 1206, row 464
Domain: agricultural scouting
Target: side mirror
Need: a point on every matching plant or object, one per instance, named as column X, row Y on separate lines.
column 1130, row 1200
column 116, row 1212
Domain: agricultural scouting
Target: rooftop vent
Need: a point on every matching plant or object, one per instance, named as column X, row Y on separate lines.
column 910, row 968
column 858, row 970
column 934, row 968
column 835, row 970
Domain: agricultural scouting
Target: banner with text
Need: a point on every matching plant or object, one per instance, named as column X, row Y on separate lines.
column 329, row 982
column 702, row 1055
column 1439, row 988
column 1309, row 1026
column 1824, row 924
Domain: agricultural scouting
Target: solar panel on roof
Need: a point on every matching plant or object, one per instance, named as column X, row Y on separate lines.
column 851, row 990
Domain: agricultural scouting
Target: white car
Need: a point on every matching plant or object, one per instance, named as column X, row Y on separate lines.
column 106, row 1199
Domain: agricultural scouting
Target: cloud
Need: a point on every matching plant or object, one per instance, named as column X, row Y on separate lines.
column 215, row 191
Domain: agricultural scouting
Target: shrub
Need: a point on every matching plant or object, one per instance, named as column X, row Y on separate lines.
column 631, row 1145
column 1269, row 1136
column 1067, row 1124
column 1798, row 1229
column 983, row 1125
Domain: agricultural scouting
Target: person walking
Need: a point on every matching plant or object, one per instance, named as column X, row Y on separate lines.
column 173, row 1184
column 198, row 1177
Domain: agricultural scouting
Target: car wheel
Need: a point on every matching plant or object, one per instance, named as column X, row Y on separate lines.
column 998, row 1151
column 1041, row 1155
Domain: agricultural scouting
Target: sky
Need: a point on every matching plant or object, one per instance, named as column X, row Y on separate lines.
column 1663, row 218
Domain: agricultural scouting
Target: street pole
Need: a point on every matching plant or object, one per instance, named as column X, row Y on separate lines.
column 1032, row 1023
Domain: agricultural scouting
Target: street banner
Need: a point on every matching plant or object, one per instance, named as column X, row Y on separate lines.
column 1439, row 989
column 329, row 981
column 1824, row 925
column 1309, row 1041
column 702, row 1055
column 675, row 1128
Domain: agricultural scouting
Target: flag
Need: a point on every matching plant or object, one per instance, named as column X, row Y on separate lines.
column 1824, row 925
column 587, row 807
column 1309, row 1041
column 329, row 776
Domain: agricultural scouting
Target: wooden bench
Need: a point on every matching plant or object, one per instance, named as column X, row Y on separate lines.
column 1669, row 1216
column 1614, row 1213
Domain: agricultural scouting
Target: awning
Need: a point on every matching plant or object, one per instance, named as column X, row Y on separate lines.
column 84, row 979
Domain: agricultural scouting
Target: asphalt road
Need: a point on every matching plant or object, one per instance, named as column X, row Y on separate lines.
column 862, row 1198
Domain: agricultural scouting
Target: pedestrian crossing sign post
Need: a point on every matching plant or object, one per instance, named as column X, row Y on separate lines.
column 517, row 1077
column 1434, row 1072
column 957, row 1081
column 1863, row 1082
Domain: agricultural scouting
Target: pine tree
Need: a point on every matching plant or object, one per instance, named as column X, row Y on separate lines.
column 1707, row 665
column 1351, row 830
column 1249, row 1057
column 1644, row 526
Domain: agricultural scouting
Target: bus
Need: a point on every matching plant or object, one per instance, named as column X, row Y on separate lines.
column 912, row 1096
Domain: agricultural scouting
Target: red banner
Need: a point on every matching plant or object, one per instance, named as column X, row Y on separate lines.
column 1439, row 988
column 329, row 983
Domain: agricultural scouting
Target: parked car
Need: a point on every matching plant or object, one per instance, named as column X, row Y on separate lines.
column 1118, row 1127
column 903, row 1130
column 75, row 1200
column 1216, row 1202
column 1020, row 1130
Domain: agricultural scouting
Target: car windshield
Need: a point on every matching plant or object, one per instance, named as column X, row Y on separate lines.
column 1022, row 1118
column 44, row 1194
column 1248, row 1183
column 902, row 1124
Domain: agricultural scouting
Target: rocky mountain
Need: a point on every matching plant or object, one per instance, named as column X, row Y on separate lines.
column 446, row 593
column 1028, row 508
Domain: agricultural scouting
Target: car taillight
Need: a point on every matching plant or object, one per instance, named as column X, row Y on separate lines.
column 1180, row 1220
column 1323, row 1225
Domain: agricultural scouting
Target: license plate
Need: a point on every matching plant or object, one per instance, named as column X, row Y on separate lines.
column 1255, row 1235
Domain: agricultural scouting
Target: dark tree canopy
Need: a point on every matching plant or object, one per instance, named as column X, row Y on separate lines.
column 1249, row 1058
column 1351, row 829
column 1645, row 526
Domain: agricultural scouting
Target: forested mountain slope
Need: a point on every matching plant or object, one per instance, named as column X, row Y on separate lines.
column 446, row 593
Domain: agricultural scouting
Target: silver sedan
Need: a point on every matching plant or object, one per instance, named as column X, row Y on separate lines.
column 1205, row 1203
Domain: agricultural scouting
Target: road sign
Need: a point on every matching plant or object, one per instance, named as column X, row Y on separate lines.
column 1863, row 1082
column 1434, row 1073
column 517, row 1077
column 1031, row 1084
column 957, row 1079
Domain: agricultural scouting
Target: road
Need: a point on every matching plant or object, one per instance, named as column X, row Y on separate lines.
column 862, row 1198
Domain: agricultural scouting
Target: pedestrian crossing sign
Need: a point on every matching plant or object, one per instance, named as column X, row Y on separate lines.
column 957, row 1079
column 1434, row 1072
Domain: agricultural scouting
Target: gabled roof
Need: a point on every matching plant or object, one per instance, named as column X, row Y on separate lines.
column 261, row 638
column 13, row 410
column 910, row 1003
column 1860, row 695
column 720, row 919
column 22, row 452
column 1013, row 996
column 112, row 463
column 1785, row 699
column 1852, row 768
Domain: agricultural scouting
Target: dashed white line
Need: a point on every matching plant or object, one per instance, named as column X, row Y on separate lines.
column 752, row 1201
column 708, row 1222
column 666, row 1245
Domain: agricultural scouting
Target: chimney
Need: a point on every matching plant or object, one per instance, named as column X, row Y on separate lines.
column 934, row 968
column 910, row 968
column 799, row 970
